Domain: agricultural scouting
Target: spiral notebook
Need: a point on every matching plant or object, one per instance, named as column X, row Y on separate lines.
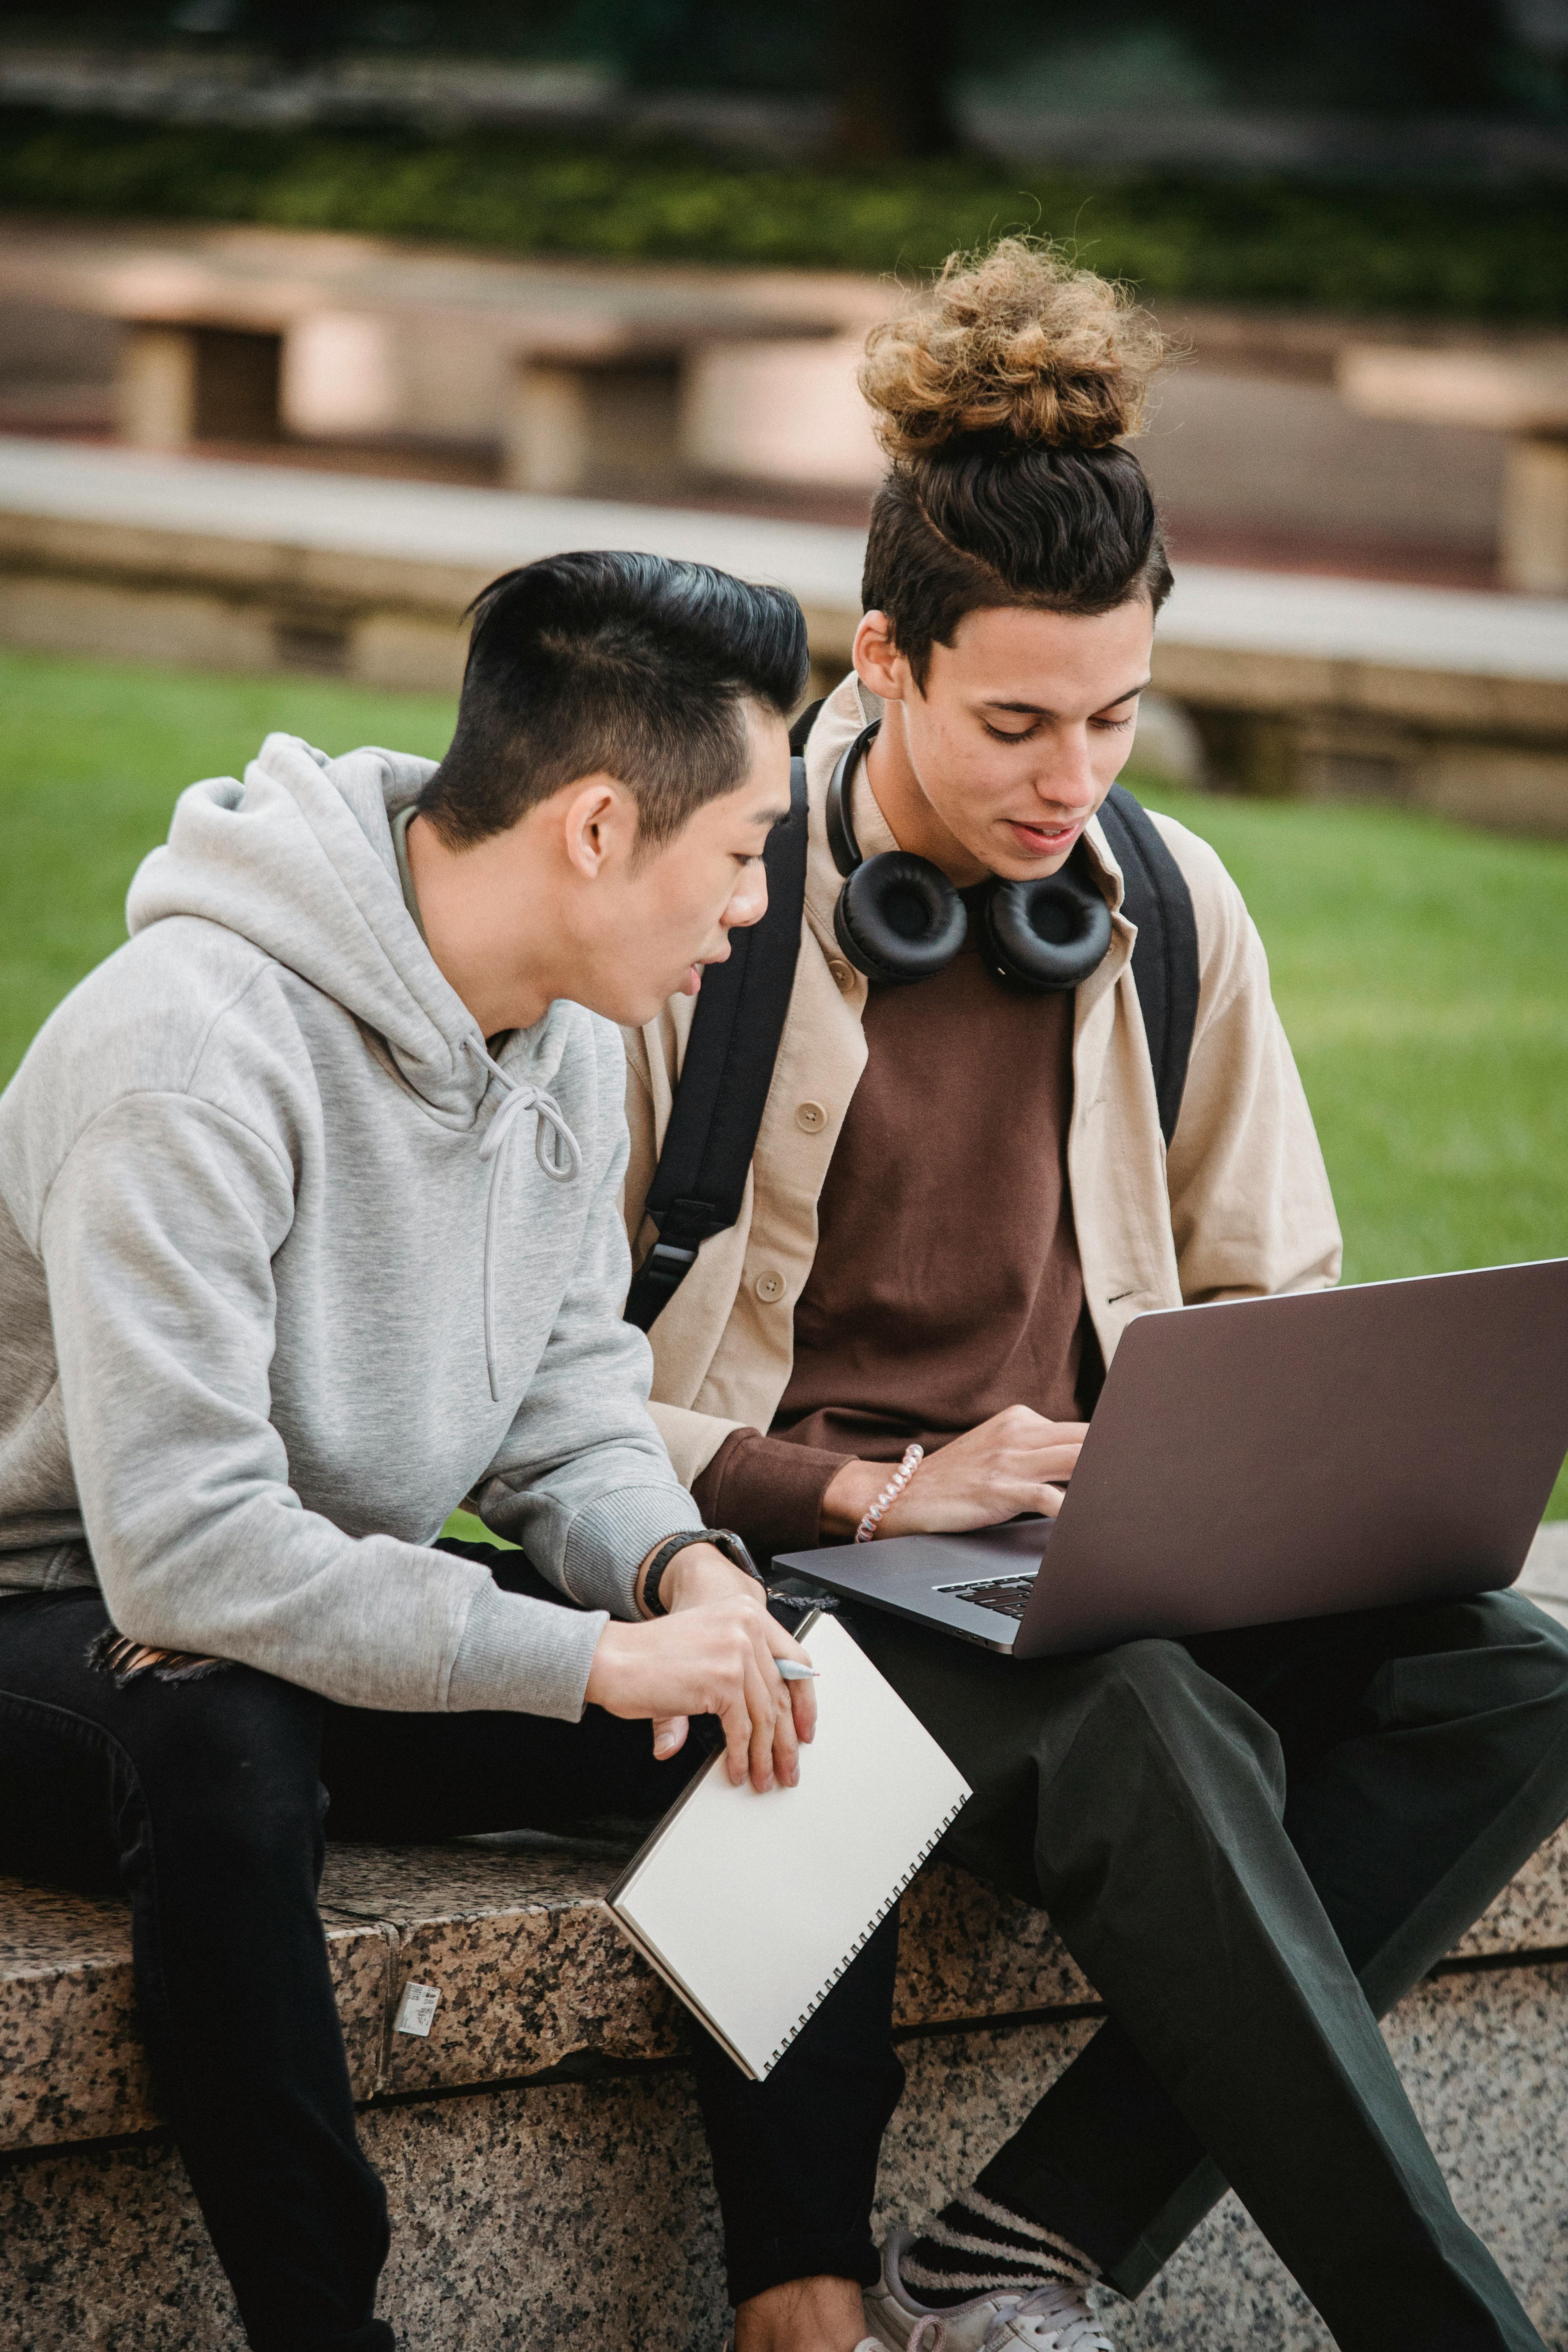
column 750, row 1907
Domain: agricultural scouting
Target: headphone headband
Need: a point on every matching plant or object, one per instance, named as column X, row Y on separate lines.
column 847, row 854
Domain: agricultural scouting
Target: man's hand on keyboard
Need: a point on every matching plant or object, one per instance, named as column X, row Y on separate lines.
column 989, row 1475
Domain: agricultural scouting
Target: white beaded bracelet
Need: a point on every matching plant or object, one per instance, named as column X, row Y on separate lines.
column 890, row 1494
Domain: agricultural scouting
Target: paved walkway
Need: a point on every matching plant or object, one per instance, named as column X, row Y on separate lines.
column 1213, row 607
column 425, row 523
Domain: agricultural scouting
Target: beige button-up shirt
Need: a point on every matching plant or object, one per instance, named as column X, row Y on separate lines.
column 1240, row 1207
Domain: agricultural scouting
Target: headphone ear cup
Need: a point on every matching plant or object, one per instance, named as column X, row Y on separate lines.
column 1049, row 934
column 898, row 918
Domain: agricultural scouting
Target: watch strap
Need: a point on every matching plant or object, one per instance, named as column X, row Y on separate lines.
column 724, row 1539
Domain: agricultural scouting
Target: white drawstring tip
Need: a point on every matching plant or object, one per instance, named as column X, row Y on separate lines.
column 555, row 1146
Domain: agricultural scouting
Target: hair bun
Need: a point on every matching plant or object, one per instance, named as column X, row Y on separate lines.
column 1015, row 344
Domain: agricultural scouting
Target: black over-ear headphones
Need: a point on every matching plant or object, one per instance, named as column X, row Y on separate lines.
column 899, row 918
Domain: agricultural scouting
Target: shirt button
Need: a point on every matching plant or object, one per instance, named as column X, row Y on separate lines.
column 769, row 1288
column 843, row 978
column 812, row 1117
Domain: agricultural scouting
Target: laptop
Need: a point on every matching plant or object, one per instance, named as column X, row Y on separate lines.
column 1267, row 1458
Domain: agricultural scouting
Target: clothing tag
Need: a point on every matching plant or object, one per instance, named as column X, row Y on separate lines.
column 416, row 2008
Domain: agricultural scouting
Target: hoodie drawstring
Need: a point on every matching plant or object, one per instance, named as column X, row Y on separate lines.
column 558, row 1152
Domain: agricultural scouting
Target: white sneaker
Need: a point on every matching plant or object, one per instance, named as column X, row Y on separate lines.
column 1054, row 2318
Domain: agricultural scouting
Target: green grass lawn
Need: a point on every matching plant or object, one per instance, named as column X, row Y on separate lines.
column 1421, row 968
column 91, row 760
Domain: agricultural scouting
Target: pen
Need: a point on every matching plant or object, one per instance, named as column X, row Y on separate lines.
column 791, row 1673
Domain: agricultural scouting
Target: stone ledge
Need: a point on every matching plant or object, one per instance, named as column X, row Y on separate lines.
column 59, row 568
column 565, row 2213
column 515, row 1933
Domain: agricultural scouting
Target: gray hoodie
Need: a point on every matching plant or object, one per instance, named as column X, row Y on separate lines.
column 290, row 1267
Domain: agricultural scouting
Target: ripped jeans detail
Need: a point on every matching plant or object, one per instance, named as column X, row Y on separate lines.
column 115, row 1655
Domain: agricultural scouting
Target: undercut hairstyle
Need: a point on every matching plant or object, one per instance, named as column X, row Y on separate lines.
column 1001, row 398
column 629, row 666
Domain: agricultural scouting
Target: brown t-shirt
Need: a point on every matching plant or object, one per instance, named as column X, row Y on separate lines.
column 946, row 1284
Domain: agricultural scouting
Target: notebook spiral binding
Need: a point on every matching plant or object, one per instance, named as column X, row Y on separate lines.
column 871, row 1927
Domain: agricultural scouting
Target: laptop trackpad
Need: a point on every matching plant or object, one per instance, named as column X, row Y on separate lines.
column 986, row 1551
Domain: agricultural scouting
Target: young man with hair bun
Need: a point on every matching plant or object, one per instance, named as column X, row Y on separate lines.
column 1252, row 1842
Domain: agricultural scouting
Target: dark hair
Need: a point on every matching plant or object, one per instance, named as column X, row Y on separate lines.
column 1065, row 530
column 632, row 664
column 999, row 400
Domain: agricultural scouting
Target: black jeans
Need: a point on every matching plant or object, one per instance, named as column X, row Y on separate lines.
column 1253, row 1843
column 207, row 1800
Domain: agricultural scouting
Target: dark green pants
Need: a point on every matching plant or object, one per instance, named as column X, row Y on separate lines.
column 1253, row 1843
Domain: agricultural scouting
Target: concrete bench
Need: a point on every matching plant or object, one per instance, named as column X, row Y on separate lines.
column 541, row 2146
column 545, row 2166
column 407, row 358
column 1524, row 396
column 617, row 407
column 606, row 409
column 186, row 381
column 576, row 376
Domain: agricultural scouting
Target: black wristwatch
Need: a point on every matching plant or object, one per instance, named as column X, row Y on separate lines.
column 724, row 1539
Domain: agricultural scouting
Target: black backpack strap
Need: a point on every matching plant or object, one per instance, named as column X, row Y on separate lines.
column 802, row 729
column 1166, row 955
column 700, row 1179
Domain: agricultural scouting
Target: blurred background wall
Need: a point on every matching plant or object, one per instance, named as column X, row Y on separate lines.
column 1283, row 184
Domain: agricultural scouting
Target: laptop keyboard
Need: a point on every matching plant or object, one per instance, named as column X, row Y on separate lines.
column 1008, row 1595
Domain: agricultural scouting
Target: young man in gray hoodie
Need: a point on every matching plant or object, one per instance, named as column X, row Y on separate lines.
column 308, row 1233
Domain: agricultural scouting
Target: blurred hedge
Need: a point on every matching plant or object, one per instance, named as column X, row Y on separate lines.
column 1485, row 253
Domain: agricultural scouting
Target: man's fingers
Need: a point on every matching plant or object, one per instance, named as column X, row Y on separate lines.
column 786, row 1743
column 791, row 1707
column 1031, row 1495
column 785, row 1747
column 737, row 1722
column 799, row 1698
column 774, row 1749
column 803, row 1707
column 780, row 1644
column 732, row 1667
column 1044, row 1461
column 760, row 1707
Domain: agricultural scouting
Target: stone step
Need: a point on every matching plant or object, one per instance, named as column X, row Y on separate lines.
column 515, row 1935
column 559, row 2213
column 535, row 2206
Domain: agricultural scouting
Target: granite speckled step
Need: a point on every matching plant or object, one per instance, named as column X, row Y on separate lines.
column 538, row 2205
column 516, row 1936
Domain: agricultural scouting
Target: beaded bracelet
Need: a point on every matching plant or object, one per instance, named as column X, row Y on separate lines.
column 890, row 1494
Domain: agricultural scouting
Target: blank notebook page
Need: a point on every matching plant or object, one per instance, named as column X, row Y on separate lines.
column 752, row 1906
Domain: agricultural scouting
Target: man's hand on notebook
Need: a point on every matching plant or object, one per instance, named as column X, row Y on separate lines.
column 988, row 1475
column 713, row 1654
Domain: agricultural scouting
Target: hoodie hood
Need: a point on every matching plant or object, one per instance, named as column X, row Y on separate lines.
column 299, row 859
